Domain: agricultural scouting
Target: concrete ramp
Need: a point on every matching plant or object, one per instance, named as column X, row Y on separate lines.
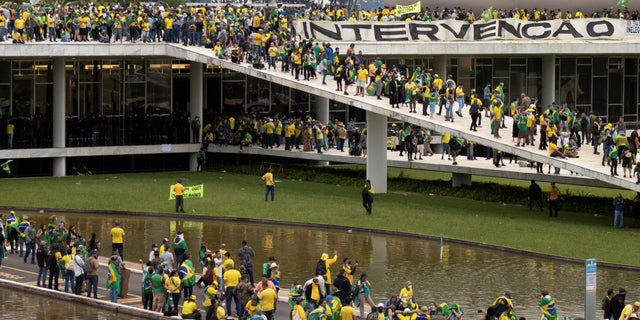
column 588, row 165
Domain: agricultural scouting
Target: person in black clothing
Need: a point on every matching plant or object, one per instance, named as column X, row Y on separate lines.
column 535, row 195
column 617, row 303
column 606, row 304
column 343, row 285
column 54, row 270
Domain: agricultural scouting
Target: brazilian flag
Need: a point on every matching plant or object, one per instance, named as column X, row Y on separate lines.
column 12, row 223
column 179, row 243
column 186, row 274
column 113, row 278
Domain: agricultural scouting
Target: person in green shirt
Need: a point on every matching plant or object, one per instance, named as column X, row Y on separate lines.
column 157, row 289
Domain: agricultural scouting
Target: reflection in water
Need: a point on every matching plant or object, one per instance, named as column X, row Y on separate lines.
column 469, row 276
column 20, row 305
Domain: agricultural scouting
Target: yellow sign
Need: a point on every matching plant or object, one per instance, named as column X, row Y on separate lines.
column 189, row 192
column 410, row 8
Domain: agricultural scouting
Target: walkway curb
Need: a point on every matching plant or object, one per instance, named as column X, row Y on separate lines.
column 104, row 305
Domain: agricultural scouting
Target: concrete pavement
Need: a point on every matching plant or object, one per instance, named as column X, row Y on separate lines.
column 16, row 274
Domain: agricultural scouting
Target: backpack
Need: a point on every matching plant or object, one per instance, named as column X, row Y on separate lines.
column 87, row 267
column 321, row 268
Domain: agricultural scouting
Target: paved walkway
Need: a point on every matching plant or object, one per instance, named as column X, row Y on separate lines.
column 14, row 269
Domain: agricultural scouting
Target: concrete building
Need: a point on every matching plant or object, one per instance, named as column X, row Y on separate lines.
column 91, row 94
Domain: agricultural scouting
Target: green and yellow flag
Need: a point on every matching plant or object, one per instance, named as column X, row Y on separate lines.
column 623, row 3
column 487, row 14
column 189, row 192
column 113, row 278
column 5, row 167
column 12, row 223
column 410, row 8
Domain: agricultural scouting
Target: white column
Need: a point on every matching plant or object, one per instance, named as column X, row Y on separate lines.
column 59, row 163
column 460, row 179
column 195, row 105
column 321, row 109
column 548, row 80
column 377, row 151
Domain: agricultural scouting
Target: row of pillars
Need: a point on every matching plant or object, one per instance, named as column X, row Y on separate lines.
column 376, row 123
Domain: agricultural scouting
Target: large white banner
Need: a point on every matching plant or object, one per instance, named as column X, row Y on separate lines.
column 453, row 30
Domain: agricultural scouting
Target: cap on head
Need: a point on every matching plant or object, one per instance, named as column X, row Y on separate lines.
column 508, row 294
column 192, row 297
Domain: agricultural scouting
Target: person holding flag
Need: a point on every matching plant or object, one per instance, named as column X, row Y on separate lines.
column 548, row 306
column 187, row 276
column 11, row 230
column 113, row 280
column 180, row 247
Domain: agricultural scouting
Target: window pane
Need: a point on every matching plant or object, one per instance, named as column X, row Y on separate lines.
column 300, row 101
column 233, row 97
column 279, row 98
column 615, row 86
column 567, row 67
column 600, row 95
column 600, row 66
column 630, row 97
column 583, row 91
column 630, row 67
column 159, row 88
column 501, row 67
column 534, row 67
column 257, row 95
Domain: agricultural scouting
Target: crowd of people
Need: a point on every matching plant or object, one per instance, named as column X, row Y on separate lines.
column 256, row 34
column 211, row 25
column 57, row 249
column 169, row 277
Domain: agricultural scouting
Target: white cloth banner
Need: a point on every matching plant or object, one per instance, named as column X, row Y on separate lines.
column 633, row 27
column 453, row 30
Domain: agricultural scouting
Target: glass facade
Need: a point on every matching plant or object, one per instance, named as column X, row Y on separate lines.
column 147, row 101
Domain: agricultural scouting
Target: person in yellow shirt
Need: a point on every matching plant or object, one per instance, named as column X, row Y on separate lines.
column 348, row 312
column 297, row 312
column 270, row 184
column 361, row 80
column 268, row 297
column 172, row 287
column 117, row 239
column 328, row 262
column 231, row 278
column 190, row 309
column 406, row 293
column 273, row 53
column 497, row 116
column 178, row 189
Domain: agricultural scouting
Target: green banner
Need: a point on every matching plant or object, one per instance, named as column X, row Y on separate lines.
column 410, row 8
column 189, row 192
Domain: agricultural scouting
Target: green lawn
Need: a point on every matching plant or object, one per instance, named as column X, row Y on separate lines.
column 572, row 234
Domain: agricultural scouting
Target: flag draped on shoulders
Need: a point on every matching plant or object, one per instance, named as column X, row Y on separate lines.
column 179, row 243
column 12, row 223
column 548, row 307
column 113, row 277
column 187, row 274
